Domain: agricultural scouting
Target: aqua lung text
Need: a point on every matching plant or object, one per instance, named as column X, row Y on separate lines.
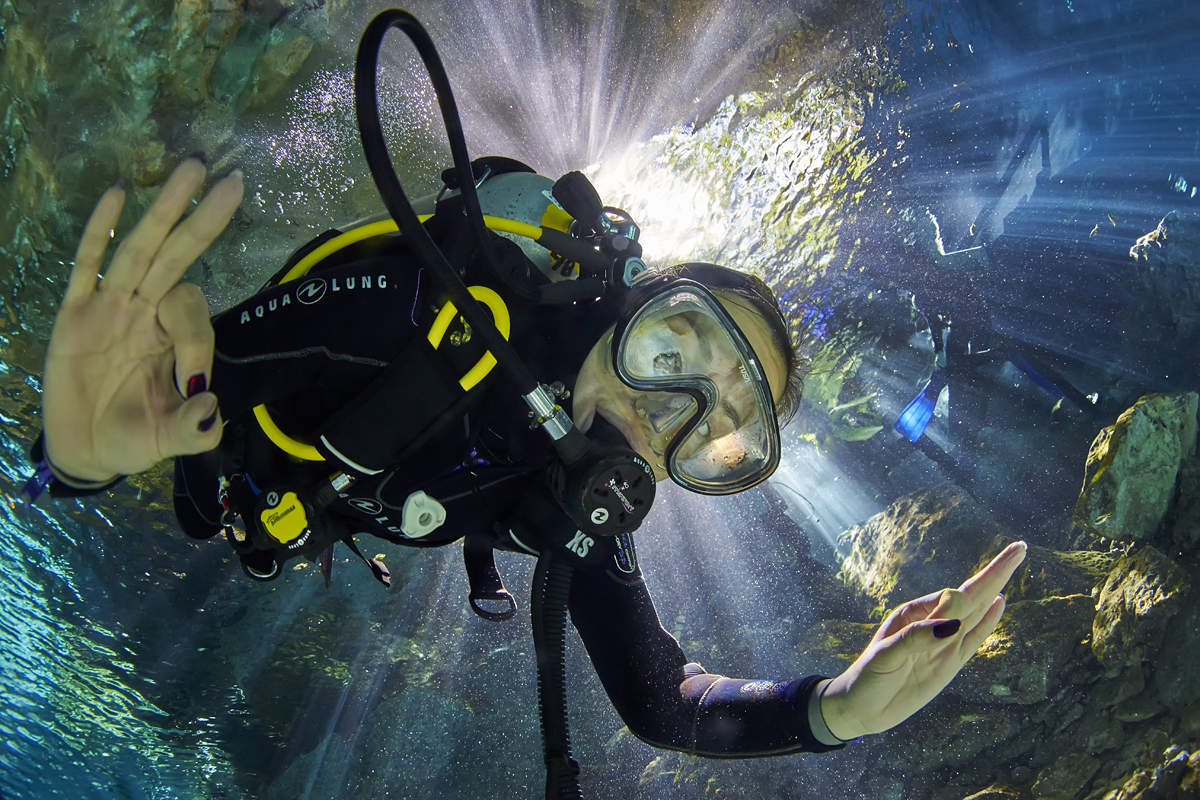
column 313, row 291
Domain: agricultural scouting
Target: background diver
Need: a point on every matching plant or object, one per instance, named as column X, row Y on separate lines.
column 689, row 372
column 968, row 347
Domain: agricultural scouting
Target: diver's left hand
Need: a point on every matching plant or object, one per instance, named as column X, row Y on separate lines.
column 917, row 651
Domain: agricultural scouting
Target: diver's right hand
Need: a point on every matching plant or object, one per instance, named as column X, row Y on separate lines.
column 127, row 349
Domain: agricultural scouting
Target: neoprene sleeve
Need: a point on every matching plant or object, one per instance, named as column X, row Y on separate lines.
column 671, row 703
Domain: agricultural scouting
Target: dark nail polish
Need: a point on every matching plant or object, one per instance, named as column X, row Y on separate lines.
column 207, row 423
column 947, row 628
column 200, row 156
column 119, row 183
column 196, row 384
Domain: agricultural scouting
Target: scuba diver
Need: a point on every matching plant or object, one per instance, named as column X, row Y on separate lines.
column 966, row 341
column 363, row 391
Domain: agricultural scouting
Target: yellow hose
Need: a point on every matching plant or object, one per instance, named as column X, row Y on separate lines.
column 306, row 452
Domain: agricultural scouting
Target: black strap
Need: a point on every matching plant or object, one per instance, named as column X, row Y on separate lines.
column 367, row 435
column 487, row 165
column 377, row 568
column 484, row 578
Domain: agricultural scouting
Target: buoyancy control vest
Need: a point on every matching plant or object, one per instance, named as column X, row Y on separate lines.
column 342, row 361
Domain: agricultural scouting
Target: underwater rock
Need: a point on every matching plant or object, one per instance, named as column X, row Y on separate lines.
column 283, row 56
column 919, row 544
column 1026, row 659
column 1142, row 593
column 200, row 30
column 1057, row 573
column 1168, row 261
column 1184, row 519
column 832, row 645
column 1066, row 777
column 1176, row 778
column 1129, row 478
column 997, row 792
column 951, row 733
column 235, row 67
column 1177, row 658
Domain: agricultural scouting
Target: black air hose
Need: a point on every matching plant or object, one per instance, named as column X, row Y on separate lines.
column 548, row 611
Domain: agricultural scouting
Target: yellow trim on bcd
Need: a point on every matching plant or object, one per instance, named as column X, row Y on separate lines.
column 286, row 521
column 307, row 452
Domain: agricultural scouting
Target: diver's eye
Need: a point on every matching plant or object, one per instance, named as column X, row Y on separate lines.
column 703, row 428
column 668, row 363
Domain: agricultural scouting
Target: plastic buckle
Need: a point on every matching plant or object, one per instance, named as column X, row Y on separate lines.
column 494, row 616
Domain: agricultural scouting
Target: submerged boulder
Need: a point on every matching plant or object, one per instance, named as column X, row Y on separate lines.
column 1129, row 478
column 1184, row 521
column 1065, row 777
column 923, row 542
column 1143, row 592
column 830, row 646
column 1168, row 261
column 998, row 792
column 1176, row 778
column 1030, row 654
column 1057, row 573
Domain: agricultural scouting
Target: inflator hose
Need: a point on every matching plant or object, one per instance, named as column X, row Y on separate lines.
column 366, row 108
column 548, row 611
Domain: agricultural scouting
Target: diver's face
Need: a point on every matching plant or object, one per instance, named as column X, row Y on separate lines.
column 648, row 420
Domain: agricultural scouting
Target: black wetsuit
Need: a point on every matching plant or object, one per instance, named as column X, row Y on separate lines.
column 311, row 346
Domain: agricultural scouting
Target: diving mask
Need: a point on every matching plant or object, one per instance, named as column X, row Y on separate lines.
column 703, row 391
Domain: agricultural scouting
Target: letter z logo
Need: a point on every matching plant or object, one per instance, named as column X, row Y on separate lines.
column 580, row 544
column 311, row 291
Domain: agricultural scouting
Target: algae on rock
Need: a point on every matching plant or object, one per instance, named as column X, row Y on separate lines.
column 917, row 545
column 1130, row 475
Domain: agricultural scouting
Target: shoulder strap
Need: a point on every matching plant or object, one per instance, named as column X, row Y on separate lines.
column 486, row 584
column 371, row 432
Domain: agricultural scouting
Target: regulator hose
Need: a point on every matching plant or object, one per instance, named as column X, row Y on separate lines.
column 370, row 129
column 548, row 611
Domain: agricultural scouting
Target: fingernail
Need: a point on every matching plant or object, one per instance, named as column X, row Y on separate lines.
column 200, row 156
column 947, row 628
column 207, row 423
column 118, row 184
column 236, row 173
column 196, row 384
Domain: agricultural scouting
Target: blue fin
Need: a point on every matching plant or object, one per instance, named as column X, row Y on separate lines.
column 916, row 415
column 1041, row 380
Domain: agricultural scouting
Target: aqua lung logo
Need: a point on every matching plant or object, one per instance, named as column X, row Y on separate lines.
column 365, row 505
column 373, row 509
column 311, row 292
